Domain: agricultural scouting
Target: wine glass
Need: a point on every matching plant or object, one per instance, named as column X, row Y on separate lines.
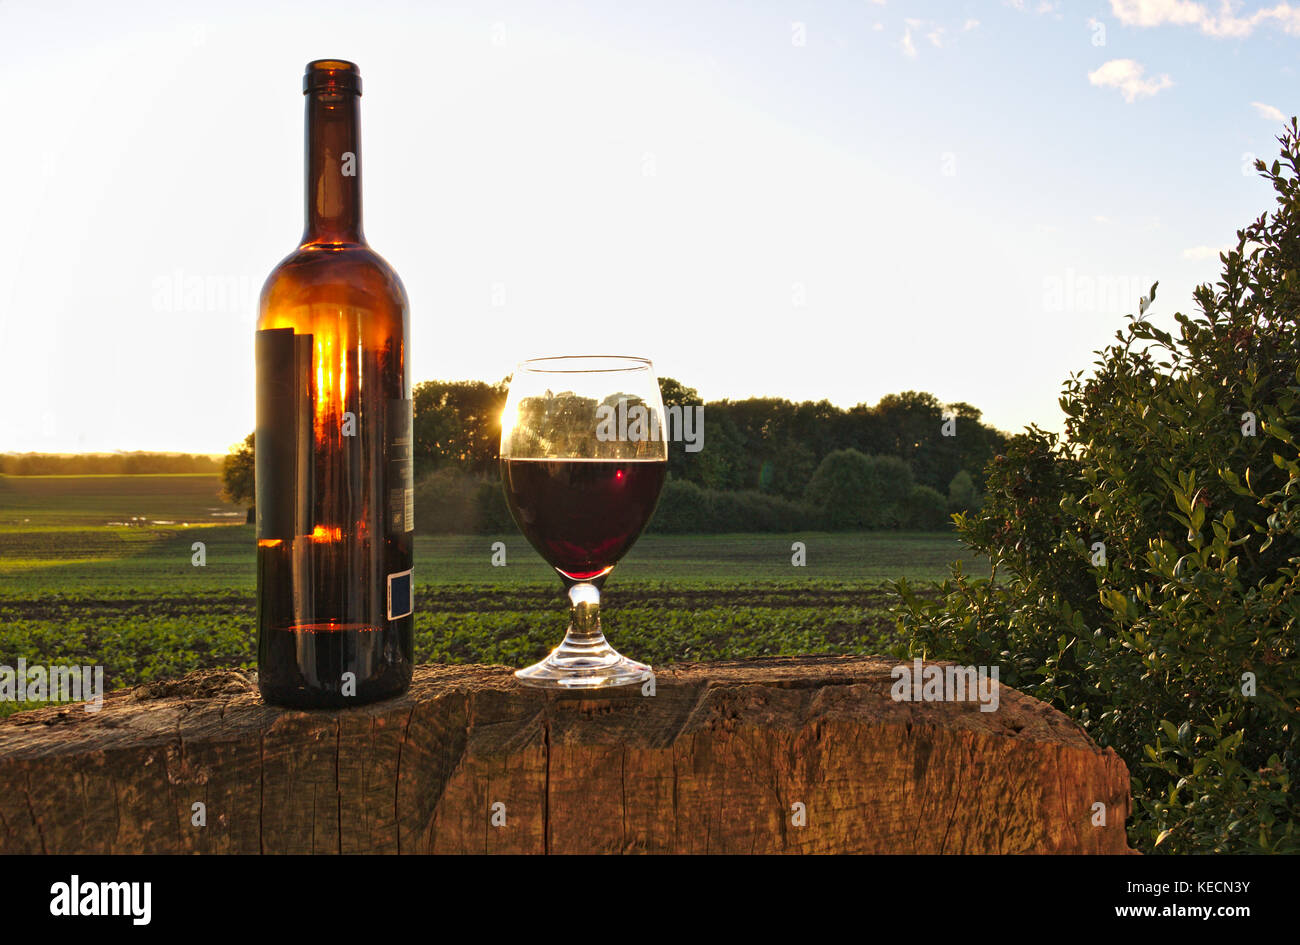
column 584, row 454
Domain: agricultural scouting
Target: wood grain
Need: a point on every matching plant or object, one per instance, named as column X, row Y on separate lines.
column 714, row 762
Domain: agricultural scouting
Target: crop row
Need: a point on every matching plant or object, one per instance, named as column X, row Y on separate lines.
column 144, row 640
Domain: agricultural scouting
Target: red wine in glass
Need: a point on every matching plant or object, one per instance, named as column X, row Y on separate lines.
column 582, row 515
column 584, row 455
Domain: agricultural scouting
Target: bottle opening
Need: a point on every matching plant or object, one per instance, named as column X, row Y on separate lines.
column 331, row 75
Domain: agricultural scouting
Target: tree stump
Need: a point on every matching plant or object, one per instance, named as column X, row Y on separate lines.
column 780, row 755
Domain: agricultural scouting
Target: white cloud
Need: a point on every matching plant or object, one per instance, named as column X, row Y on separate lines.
column 1101, row 219
column 1191, row 13
column 909, row 47
column 1203, row 252
column 1043, row 6
column 1268, row 111
column 936, row 34
column 1129, row 77
column 1157, row 12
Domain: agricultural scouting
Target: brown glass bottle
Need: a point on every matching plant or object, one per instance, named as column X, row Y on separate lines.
column 333, row 449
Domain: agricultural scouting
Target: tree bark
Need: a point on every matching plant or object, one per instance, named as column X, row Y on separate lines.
column 779, row 755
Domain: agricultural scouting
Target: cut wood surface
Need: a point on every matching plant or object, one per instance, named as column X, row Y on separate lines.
column 779, row 755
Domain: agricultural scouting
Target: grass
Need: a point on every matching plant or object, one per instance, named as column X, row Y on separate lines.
column 76, row 589
column 95, row 501
column 159, row 559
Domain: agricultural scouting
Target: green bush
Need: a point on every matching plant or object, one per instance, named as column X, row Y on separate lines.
column 492, row 514
column 1145, row 570
column 853, row 490
column 685, row 508
column 962, row 494
column 926, row 510
column 750, row 511
column 841, row 488
column 451, row 502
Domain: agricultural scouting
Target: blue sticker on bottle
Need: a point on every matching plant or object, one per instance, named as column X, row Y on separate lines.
column 401, row 599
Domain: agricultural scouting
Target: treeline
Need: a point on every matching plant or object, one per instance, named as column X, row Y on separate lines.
column 766, row 464
column 763, row 464
column 767, row 444
column 106, row 464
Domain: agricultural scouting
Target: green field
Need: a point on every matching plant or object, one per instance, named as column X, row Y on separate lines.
column 39, row 501
column 77, row 586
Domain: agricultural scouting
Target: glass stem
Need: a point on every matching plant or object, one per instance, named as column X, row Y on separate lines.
column 584, row 618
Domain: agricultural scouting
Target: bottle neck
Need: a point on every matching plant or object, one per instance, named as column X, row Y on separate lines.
column 333, row 167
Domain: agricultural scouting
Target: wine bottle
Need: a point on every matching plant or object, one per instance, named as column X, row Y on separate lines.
column 333, row 449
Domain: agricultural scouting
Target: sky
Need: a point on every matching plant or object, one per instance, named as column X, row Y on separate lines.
column 808, row 200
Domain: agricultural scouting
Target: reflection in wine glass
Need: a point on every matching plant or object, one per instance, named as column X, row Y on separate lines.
column 584, row 454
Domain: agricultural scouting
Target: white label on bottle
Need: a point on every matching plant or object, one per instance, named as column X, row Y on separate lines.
column 401, row 492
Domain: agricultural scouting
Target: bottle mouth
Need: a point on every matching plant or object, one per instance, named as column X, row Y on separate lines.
column 331, row 75
column 585, row 364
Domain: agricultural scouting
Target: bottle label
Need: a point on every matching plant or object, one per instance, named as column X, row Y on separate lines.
column 401, row 595
column 285, row 447
column 401, row 468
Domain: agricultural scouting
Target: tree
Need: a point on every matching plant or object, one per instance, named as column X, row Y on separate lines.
column 1145, row 567
column 914, row 423
column 765, row 444
column 722, row 463
column 238, row 479
column 676, row 394
column 457, row 423
column 962, row 496
column 890, row 485
column 926, row 509
column 841, row 489
column 857, row 491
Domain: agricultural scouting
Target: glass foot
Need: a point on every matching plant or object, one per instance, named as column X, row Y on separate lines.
column 585, row 660
column 584, row 666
